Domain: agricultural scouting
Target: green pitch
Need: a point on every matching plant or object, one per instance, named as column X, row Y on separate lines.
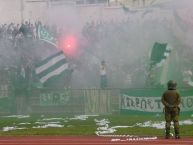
column 134, row 125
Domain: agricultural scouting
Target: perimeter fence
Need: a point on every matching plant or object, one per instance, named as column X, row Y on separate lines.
column 88, row 101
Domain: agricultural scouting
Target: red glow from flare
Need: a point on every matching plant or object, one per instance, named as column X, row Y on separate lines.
column 69, row 45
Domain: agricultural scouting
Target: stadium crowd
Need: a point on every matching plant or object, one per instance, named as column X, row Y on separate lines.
column 13, row 32
column 122, row 44
column 20, row 50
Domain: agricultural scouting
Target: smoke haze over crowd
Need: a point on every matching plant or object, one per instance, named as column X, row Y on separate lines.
column 123, row 38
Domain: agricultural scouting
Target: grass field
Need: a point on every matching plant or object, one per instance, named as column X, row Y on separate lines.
column 134, row 125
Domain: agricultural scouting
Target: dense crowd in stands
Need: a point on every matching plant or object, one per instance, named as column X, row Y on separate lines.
column 122, row 44
column 20, row 50
column 14, row 32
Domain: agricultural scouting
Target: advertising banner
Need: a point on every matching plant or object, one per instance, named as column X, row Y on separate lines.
column 151, row 104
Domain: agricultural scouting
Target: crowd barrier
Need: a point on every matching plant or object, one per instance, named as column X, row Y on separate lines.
column 89, row 101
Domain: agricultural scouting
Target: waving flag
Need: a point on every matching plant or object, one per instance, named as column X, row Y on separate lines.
column 159, row 54
column 51, row 67
column 45, row 35
column 162, row 66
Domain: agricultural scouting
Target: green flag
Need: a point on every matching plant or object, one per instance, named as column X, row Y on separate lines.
column 159, row 64
column 51, row 67
column 159, row 54
column 44, row 35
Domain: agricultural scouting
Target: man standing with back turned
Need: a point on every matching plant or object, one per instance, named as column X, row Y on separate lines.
column 171, row 100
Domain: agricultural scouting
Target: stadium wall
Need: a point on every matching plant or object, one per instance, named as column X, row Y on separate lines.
column 91, row 101
column 17, row 11
column 74, row 102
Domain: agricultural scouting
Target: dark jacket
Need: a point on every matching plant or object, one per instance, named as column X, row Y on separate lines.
column 171, row 98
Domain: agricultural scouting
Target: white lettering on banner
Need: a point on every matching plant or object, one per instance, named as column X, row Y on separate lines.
column 54, row 98
column 152, row 104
